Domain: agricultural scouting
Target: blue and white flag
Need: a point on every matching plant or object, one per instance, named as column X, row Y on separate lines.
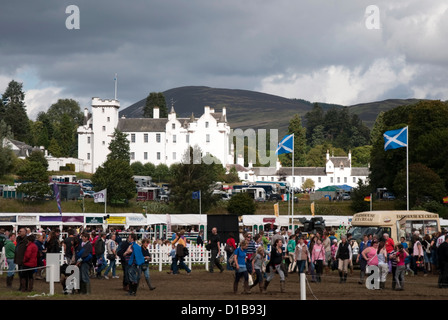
column 196, row 195
column 394, row 139
column 285, row 146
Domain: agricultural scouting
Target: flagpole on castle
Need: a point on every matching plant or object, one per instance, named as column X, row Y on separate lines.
column 116, row 80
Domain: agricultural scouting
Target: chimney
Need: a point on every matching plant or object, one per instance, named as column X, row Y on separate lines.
column 206, row 109
column 86, row 113
column 240, row 160
column 328, row 155
column 156, row 112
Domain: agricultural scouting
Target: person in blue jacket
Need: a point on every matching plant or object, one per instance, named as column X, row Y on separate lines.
column 134, row 259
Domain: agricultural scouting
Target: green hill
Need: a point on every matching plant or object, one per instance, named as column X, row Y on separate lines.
column 251, row 109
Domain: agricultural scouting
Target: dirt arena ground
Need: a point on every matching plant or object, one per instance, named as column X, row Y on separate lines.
column 202, row 285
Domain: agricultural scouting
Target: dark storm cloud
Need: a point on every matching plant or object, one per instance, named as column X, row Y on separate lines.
column 160, row 44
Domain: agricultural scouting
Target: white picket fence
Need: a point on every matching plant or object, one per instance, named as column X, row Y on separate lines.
column 160, row 256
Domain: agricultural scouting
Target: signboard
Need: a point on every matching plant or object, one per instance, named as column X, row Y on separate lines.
column 136, row 220
column 116, row 220
column 268, row 220
column 8, row 219
column 78, row 219
column 27, row 219
column 94, row 220
column 50, row 219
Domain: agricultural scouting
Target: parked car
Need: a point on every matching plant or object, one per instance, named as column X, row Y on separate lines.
column 275, row 197
column 88, row 193
column 345, row 196
column 388, row 196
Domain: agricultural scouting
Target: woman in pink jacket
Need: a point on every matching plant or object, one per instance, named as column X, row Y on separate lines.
column 317, row 257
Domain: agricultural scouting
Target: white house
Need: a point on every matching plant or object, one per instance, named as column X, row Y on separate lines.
column 337, row 171
column 156, row 140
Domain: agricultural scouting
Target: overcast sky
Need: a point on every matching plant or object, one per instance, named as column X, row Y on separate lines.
column 328, row 51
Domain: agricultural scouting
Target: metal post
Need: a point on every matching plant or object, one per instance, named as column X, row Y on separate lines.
column 302, row 286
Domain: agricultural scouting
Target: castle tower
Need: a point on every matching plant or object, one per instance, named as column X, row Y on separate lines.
column 104, row 122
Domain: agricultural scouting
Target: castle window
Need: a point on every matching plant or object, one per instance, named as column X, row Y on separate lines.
column 173, row 126
column 158, row 155
column 145, row 155
column 207, row 138
column 158, row 137
column 132, row 137
column 104, row 128
column 206, row 124
column 145, row 138
column 174, row 138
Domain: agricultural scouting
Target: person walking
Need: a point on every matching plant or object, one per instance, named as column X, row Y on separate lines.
column 100, row 249
column 180, row 242
column 21, row 243
column 145, row 265
column 229, row 249
column 383, row 265
column 344, row 257
column 134, row 259
column 442, row 258
column 290, row 249
column 258, row 267
column 84, row 261
column 400, row 255
column 10, row 249
column 29, row 264
column 215, row 245
column 240, row 257
column 318, row 257
column 301, row 255
column 274, row 266
column 370, row 254
column 418, row 256
column 111, row 255
column 360, row 259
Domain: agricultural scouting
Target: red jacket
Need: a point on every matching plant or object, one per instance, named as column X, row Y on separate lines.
column 30, row 257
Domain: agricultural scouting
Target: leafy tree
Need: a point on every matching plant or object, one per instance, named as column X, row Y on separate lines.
column 357, row 196
column 119, row 147
column 295, row 127
column 14, row 112
column 137, row 168
column 6, row 154
column 155, row 99
column 361, row 156
column 115, row 174
column 162, row 173
column 241, row 203
column 424, row 185
column 313, row 119
column 34, row 176
column 308, row 184
column 66, row 107
column 189, row 177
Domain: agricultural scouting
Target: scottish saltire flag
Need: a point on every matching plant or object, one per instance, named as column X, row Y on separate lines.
column 196, row 195
column 285, row 146
column 394, row 139
column 100, row 196
column 57, row 195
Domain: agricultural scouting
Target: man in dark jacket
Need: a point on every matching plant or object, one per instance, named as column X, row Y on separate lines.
column 100, row 249
column 20, row 252
column 122, row 247
column 215, row 245
column 83, row 261
column 442, row 257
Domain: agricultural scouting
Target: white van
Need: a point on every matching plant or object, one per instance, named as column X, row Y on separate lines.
column 397, row 224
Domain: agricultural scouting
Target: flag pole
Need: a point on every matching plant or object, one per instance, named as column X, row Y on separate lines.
column 370, row 202
column 292, row 190
column 116, row 80
column 407, row 168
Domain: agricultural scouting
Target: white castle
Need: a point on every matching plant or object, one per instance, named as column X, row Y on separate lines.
column 156, row 140
column 165, row 141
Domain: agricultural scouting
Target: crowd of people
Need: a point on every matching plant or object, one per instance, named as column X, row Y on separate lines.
column 322, row 252
column 257, row 260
